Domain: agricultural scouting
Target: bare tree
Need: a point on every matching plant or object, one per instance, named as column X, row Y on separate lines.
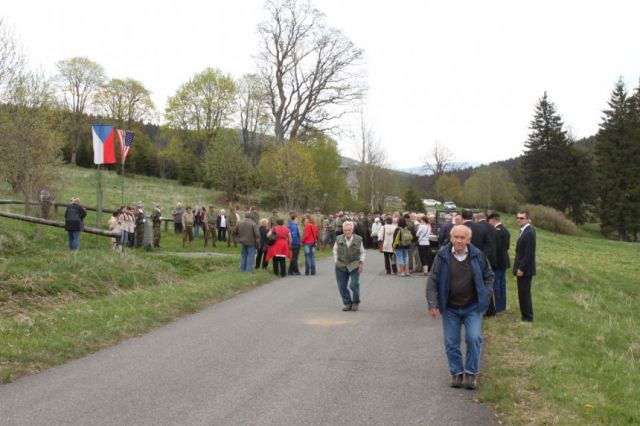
column 310, row 71
column 439, row 160
column 126, row 101
column 254, row 115
column 372, row 162
column 79, row 79
column 11, row 60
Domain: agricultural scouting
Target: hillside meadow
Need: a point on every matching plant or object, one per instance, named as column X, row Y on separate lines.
column 576, row 364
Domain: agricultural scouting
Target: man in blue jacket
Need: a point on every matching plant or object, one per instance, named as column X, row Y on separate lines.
column 459, row 287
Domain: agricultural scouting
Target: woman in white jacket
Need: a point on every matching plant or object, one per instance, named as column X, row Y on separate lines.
column 375, row 229
column 423, row 233
column 386, row 235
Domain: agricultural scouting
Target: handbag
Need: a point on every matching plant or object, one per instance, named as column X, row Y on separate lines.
column 271, row 239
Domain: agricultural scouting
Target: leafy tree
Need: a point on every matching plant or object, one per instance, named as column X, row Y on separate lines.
column 227, row 168
column 449, row 188
column 412, row 203
column 308, row 69
column 617, row 144
column 329, row 193
column 289, row 172
column 126, row 101
column 79, row 79
column 203, row 104
column 29, row 142
column 492, row 188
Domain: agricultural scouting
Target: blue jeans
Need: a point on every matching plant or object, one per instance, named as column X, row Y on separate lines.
column 293, row 265
column 309, row 259
column 124, row 238
column 74, row 239
column 402, row 256
column 196, row 230
column 343, row 280
column 452, row 321
column 500, row 290
column 246, row 258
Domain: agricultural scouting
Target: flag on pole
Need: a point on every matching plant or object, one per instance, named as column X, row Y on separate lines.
column 104, row 151
column 125, row 139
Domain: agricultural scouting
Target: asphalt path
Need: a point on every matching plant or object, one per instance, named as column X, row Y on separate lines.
column 281, row 354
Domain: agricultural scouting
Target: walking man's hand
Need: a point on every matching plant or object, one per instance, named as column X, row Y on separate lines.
column 434, row 311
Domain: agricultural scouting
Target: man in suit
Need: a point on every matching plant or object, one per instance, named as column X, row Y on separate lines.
column 502, row 261
column 479, row 237
column 524, row 266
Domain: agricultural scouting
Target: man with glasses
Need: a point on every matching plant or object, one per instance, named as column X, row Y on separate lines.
column 524, row 266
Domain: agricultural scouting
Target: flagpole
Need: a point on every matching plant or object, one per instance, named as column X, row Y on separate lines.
column 122, row 182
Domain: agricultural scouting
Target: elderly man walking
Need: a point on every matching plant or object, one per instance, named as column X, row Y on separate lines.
column 247, row 234
column 348, row 254
column 459, row 288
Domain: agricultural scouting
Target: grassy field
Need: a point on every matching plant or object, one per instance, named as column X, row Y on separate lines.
column 578, row 363
column 56, row 306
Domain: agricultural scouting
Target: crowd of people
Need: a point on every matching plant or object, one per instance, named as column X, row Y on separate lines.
column 466, row 275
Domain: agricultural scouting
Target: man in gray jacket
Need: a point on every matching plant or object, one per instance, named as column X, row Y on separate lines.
column 247, row 234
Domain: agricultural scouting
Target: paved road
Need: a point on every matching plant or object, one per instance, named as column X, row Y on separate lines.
column 282, row 354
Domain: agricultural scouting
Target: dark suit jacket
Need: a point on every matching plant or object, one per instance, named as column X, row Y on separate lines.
column 504, row 241
column 526, row 252
column 480, row 238
column 492, row 238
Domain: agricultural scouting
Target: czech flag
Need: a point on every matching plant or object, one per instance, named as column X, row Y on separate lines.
column 103, row 144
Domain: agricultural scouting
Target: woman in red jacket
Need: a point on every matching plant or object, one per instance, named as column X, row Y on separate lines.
column 309, row 238
column 281, row 248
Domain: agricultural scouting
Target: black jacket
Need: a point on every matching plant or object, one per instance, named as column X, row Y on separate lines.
column 504, row 241
column 479, row 238
column 73, row 218
column 526, row 252
column 492, row 239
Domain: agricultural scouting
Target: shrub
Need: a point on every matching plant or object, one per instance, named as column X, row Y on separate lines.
column 551, row 219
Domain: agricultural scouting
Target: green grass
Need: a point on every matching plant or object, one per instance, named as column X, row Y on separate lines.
column 578, row 362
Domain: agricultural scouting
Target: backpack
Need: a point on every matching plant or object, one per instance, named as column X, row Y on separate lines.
column 403, row 238
column 406, row 237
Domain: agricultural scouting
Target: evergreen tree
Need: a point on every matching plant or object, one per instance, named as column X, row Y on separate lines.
column 616, row 149
column 556, row 174
column 412, row 202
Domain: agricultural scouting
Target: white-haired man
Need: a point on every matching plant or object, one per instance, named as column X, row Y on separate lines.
column 348, row 254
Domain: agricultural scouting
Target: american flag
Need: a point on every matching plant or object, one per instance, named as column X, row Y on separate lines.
column 125, row 139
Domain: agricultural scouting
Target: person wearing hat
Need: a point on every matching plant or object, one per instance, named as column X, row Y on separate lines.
column 74, row 222
column 502, row 261
column 157, row 221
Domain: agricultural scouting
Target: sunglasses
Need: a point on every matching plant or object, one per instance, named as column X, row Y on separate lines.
column 520, row 217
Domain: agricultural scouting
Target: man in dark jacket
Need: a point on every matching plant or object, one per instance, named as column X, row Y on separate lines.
column 479, row 237
column 247, row 234
column 502, row 262
column 524, row 266
column 459, row 287
column 74, row 222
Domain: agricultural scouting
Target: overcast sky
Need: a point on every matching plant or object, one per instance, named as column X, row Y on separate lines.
column 465, row 73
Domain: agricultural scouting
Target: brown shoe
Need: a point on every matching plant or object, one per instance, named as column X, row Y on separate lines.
column 354, row 307
column 456, row 380
column 470, row 381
